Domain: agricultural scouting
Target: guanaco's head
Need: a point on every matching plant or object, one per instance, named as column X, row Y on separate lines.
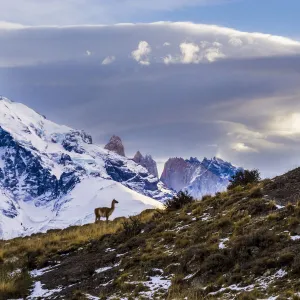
column 115, row 201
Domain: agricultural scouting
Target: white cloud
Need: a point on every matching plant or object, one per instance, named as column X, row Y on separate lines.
column 141, row 54
column 108, row 60
column 235, row 41
column 286, row 125
column 166, row 44
column 88, row 53
column 190, row 53
column 188, row 43
column 213, row 53
column 242, row 147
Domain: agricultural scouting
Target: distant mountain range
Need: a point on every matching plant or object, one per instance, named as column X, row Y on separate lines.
column 53, row 176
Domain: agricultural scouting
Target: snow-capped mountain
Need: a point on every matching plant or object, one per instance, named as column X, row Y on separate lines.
column 53, row 176
column 198, row 178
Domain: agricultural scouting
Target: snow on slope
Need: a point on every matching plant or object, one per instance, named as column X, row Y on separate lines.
column 52, row 176
column 77, row 208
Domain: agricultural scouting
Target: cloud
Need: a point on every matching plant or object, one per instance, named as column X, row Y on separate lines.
column 88, row 53
column 236, row 42
column 190, row 53
column 193, row 43
column 108, row 60
column 141, row 54
column 58, row 12
column 241, row 98
column 242, row 147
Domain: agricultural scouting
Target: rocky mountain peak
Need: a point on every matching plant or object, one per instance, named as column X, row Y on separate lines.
column 174, row 173
column 115, row 144
column 138, row 157
column 197, row 177
column 147, row 162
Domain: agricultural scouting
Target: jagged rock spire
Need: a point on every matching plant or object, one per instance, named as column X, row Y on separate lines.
column 147, row 162
column 115, row 144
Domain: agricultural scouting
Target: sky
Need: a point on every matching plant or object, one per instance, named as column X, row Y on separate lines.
column 171, row 77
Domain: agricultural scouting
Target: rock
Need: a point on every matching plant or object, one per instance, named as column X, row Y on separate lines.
column 175, row 174
column 147, row 162
column 115, row 144
column 197, row 178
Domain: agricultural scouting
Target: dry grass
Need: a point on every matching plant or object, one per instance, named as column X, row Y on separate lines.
column 58, row 240
column 34, row 251
column 62, row 240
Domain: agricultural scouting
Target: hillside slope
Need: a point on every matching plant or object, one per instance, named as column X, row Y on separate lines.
column 240, row 244
column 43, row 165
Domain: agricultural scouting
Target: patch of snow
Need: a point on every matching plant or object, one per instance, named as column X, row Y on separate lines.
column 155, row 284
column 222, row 243
column 205, row 217
column 107, row 283
column 40, row 272
column 262, row 282
column 295, row 237
column 90, row 297
column 279, row 206
column 189, row 276
column 101, row 270
column 121, row 254
column 158, row 270
column 39, row 291
column 110, row 250
column 234, row 287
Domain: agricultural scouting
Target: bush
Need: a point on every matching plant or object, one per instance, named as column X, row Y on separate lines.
column 132, row 227
column 178, row 201
column 244, row 177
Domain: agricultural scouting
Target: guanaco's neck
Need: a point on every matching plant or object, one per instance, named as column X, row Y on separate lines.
column 112, row 205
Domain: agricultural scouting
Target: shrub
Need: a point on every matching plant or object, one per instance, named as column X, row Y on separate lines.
column 244, row 177
column 178, row 201
column 296, row 265
column 206, row 197
column 217, row 262
column 132, row 227
column 285, row 258
column 256, row 193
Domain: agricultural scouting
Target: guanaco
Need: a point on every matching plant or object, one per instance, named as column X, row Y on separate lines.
column 105, row 212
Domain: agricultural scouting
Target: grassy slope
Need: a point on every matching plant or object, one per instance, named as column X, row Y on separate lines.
column 237, row 245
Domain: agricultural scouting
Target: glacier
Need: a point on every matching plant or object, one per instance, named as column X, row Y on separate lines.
column 53, row 176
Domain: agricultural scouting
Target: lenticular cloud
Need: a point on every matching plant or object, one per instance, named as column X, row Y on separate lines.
column 142, row 44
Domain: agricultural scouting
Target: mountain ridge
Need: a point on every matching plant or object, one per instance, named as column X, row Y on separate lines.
column 41, row 162
column 198, row 178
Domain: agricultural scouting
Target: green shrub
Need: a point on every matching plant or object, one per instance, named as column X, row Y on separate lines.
column 178, row 201
column 244, row 177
